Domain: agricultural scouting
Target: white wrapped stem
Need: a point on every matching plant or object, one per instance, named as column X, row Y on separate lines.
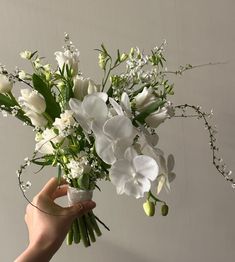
column 76, row 195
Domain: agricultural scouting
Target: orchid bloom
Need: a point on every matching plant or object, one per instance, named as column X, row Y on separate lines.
column 166, row 175
column 92, row 109
column 113, row 138
column 133, row 174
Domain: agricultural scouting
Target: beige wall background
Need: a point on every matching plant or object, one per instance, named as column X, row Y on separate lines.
column 200, row 225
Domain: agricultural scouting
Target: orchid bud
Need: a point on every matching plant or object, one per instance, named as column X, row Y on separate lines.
column 149, row 208
column 164, row 210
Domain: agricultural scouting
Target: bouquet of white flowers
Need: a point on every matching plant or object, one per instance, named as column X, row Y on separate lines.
column 105, row 131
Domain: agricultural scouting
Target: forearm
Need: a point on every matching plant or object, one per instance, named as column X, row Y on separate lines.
column 35, row 254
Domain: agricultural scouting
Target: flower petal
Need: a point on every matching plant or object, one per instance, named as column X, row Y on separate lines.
column 120, row 172
column 104, row 149
column 95, row 107
column 161, row 181
column 170, row 162
column 146, row 166
column 118, row 127
column 116, row 106
column 137, row 187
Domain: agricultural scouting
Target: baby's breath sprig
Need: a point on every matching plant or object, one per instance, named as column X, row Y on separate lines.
column 216, row 159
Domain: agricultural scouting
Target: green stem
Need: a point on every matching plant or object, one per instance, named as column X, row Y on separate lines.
column 49, row 119
column 83, row 231
column 13, row 99
column 70, row 237
column 76, row 233
column 90, row 228
column 94, row 224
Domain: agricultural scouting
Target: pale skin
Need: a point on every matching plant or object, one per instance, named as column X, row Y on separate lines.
column 46, row 231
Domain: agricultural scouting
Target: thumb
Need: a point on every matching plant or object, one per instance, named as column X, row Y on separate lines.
column 81, row 208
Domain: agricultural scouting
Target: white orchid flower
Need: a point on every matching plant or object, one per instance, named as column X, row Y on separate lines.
column 124, row 108
column 166, row 175
column 92, row 109
column 113, row 138
column 133, row 174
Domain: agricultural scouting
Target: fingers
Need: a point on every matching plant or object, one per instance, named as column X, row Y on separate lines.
column 51, row 186
column 80, row 208
column 60, row 191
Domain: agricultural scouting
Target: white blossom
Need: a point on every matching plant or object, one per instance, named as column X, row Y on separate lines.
column 32, row 100
column 44, row 145
column 68, row 58
column 65, row 122
column 144, row 98
column 156, row 118
column 166, row 175
column 79, row 166
column 26, row 54
column 83, row 87
column 37, row 120
column 92, row 109
column 133, row 174
column 113, row 137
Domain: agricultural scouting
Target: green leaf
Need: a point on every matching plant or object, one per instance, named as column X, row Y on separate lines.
column 42, row 163
column 52, row 107
column 83, row 181
column 150, row 109
column 6, row 101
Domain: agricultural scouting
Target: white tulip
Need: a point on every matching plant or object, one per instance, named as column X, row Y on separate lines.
column 44, row 146
column 33, row 101
column 158, row 117
column 36, row 119
column 68, row 58
column 26, row 54
column 83, row 87
column 144, row 98
column 5, row 84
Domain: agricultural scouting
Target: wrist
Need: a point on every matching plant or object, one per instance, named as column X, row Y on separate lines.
column 36, row 253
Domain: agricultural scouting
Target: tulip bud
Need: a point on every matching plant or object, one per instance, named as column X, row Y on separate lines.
column 149, row 208
column 123, row 57
column 164, row 210
column 26, row 55
column 132, row 51
column 102, row 60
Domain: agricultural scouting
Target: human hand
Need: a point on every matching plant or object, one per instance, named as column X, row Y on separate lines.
column 47, row 231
